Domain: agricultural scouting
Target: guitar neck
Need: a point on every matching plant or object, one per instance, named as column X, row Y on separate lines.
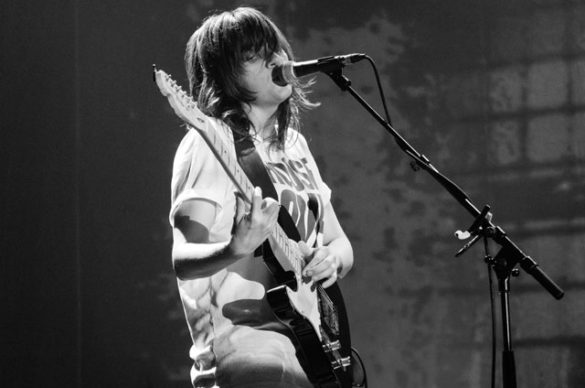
column 244, row 186
column 189, row 112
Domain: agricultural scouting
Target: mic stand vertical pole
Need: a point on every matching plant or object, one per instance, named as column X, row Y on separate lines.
column 481, row 228
column 503, row 272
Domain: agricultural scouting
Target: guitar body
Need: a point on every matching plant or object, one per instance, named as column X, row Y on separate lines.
column 315, row 361
column 318, row 324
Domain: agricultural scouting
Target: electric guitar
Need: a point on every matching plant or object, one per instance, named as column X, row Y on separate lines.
column 315, row 317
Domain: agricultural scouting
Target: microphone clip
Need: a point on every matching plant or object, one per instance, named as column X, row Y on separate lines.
column 479, row 228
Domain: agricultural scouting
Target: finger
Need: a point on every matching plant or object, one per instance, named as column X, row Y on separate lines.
column 324, row 272
column 241, row 206
column 320, row 270
column 274, row 216
column 256, row 202
column 269, row 203
column 316, row 272
column 329, row 282
column 320, row 256
column 269, row 223
column 305, row 250
column 271, row 209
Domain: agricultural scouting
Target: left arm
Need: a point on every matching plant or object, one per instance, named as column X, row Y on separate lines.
column 335, row 258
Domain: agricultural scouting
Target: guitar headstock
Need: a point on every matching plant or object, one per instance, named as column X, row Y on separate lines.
column 180, row 101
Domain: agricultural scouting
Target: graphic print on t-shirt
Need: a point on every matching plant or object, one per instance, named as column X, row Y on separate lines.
column 298, row 192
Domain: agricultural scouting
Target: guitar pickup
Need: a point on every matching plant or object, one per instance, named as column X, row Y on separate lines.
column 342, row 363
column 331, row 346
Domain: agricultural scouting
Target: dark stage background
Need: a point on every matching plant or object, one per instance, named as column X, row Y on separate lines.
column 493, row 92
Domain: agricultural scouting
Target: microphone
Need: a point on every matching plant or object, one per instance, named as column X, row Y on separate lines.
column 287, row 72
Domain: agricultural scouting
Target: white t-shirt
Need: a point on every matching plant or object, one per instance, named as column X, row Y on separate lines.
column 237, row 341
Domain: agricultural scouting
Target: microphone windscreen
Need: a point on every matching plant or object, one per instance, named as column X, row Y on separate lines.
column 283, row 75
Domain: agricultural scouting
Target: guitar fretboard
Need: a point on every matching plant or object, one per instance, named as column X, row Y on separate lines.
column 291, row 251
column 187, row 110
column 243, row 184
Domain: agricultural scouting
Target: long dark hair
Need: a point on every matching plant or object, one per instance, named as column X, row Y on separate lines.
column 213, row 60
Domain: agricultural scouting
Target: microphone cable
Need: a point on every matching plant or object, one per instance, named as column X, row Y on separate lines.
column 380, row 88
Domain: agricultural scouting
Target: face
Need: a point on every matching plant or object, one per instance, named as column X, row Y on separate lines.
column 257, row 78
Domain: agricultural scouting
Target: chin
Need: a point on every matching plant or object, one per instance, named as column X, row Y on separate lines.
column 286, row 91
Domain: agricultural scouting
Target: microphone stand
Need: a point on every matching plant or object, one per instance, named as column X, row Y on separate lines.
column 506, row 259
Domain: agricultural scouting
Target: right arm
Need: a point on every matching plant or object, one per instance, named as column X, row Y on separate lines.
column 194, row 256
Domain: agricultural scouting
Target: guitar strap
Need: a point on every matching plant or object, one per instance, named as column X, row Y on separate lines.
column 254, row 168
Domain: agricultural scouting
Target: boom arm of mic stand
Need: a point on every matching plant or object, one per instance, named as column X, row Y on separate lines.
column 513, row 253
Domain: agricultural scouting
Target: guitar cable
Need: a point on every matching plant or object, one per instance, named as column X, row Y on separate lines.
column 358, row 372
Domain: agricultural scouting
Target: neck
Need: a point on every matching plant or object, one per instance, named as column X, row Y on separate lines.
column 263, row 120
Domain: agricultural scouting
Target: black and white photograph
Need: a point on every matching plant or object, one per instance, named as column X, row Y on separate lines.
column 292, row 194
